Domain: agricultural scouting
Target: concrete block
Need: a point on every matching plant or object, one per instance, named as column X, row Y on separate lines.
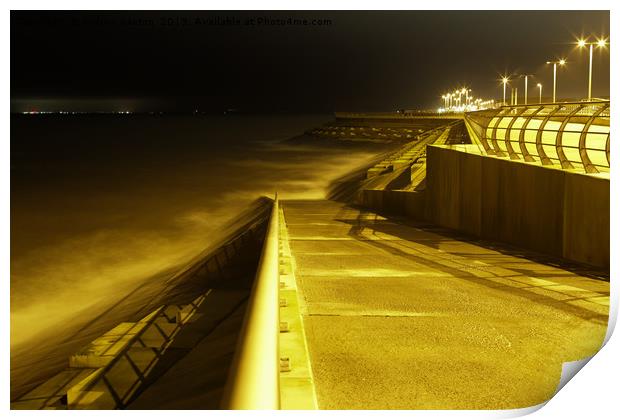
column 104, row 348
column 83, row 396
column 51, row 393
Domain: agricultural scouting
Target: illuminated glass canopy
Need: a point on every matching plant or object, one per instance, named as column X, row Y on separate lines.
column 569, row 135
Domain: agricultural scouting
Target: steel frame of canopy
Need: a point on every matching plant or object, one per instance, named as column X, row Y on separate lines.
column 582, row 113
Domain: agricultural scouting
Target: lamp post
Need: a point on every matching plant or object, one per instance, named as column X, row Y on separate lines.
column 555, row 64
column 504, row 82
column 539, row 93
column 516, row 96
column 525, row 76
column 601, row 43
column 525, row 95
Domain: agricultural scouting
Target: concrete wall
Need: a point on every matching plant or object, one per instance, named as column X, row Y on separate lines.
column 539, row 208
column 586, row 219
column 402, row 203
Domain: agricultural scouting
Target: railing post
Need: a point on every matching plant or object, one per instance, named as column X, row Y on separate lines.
column 254, row 377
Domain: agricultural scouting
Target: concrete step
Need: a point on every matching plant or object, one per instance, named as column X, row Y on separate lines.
column 51, row 394
column 105, row 373
column 112, row 387
column 105, row 348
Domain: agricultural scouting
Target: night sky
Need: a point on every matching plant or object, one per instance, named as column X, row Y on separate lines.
column 212, row 61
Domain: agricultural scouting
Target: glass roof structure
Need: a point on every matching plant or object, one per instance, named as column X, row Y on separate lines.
column 573, row 136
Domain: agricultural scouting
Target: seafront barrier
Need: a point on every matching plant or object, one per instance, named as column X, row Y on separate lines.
column 538, row 206
column 545, row 209
column 118, row 367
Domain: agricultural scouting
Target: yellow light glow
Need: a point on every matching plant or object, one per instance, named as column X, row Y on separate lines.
column 602, row 43
column 539, row 85
column 504, row 80
column 581, row 43
column 562, row 62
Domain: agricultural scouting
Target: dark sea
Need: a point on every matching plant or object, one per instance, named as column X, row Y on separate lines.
column 100, row 202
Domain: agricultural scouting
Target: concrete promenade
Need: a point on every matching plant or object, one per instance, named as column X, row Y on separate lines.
column 399, row 316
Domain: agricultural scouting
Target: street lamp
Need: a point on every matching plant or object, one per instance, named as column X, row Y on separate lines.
column 516, row 96
column 539, row 93
column 525, row 76
column 601, row 43
column 504, row 82
column 561, row 62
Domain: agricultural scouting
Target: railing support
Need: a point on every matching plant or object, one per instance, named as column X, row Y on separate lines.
column 583, row 151
column 254, row 377
column 570, row 118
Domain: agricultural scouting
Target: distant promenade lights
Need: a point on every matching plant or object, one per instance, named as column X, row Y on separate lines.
column 539, row 93
column 560, row 62
column 601, row 43
column 462, row 100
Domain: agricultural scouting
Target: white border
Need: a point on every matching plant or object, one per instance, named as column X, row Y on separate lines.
column 593, row 392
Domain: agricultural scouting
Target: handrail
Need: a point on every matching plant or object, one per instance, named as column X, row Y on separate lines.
column 593, row 102
column 583, row 151
column 569, row 120
column 400, row 116
column 254, row 377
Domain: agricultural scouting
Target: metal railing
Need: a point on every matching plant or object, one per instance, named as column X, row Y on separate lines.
column 254, row 377
column 573, row 135
column 123, row 361
column 398, row 115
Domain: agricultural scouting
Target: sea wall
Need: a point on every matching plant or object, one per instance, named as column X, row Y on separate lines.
column 544, row 209
column 550, row 210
